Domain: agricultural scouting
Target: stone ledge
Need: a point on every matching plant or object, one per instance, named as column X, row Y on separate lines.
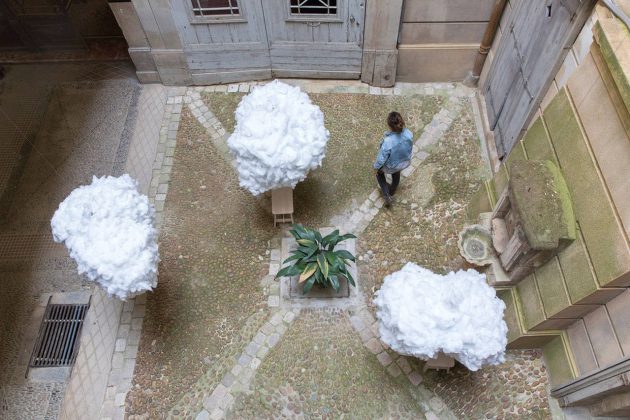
column 614, row 42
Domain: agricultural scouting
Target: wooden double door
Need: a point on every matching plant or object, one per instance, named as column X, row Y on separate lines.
column 271, row 38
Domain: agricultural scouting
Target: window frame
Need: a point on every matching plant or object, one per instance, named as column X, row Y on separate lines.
column 217, row 19
column 339, row 17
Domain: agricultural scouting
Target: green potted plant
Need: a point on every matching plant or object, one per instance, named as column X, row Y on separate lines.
column 316, row 261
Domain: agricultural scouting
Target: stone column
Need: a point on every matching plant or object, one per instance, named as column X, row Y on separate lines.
column 139, row 48
column 155, row 45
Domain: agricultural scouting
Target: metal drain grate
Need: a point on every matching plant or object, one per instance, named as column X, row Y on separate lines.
column 57, row 343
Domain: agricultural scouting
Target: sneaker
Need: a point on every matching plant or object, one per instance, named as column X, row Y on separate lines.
column 388, row 200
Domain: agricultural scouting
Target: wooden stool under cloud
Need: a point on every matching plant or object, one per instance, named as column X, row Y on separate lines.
column 282, row 205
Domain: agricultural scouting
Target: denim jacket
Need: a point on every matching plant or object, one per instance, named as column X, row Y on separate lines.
column 394, row 153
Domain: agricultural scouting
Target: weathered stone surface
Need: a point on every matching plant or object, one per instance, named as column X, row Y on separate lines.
column 537, row 144
column 531, row 304
column 604, row 239
column 614, row 42
column 551, row 286
column 574, row 263
column 540, row 196
column 557, row 362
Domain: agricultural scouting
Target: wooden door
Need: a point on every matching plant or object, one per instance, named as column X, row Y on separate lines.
column 224, row 40
column 315, row 38
column 532, row 49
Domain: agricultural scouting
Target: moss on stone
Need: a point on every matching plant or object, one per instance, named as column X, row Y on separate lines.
column 614, row 42
column 602, row 234
column 223, row 105
column 530, row 304
column 550, row 283
column 579, row 279
column 479, row 203
column 321, row 369
column 536, row 142
column 511, row 314
column 558, row 362
column 540, row 197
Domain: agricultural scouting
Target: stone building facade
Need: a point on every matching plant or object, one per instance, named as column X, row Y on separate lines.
column 576, row 305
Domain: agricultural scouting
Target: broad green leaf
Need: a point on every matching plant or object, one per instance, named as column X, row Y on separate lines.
column 289, row 271
column 308, row 272
column 342, row 253
column 306, row 242
column 330, row 238
column 309, row 234
column 319, row 278
column 308, row 286
column 318, row 236
column 350, row 279
column 296, row 256
column 335, row 282
column 330, row 257
column 299, row 229
column 323, row 264
column 346, row 236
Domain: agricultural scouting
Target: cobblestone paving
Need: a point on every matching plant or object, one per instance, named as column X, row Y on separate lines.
column 321, row 369
column 220, row 341
column 515, row 389
column 428, row 211
column 356, row 123
column 212, row 246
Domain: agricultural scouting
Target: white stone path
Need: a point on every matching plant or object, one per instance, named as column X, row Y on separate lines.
column 239, row 378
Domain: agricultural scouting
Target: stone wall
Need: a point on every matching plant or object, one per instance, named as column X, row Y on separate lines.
column 572, row 305
column 439, row 40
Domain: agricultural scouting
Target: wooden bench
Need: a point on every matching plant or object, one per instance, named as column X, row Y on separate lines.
column 282, row 205
column 442, row 361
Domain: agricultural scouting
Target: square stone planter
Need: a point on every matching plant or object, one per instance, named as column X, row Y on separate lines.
column 291, row 290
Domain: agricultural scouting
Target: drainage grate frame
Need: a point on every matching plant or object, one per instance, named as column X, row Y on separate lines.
column 57, row 343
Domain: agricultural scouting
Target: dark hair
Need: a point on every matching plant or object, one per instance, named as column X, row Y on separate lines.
column 395, row 122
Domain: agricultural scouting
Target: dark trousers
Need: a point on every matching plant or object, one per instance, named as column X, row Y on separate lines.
column 386, row 189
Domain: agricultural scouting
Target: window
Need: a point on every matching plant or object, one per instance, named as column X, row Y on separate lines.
column 203, row 8
column 313, row 7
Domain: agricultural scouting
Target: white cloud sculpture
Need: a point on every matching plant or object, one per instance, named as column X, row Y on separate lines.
column 422, row 313
column 279, row 137
column 108, row 228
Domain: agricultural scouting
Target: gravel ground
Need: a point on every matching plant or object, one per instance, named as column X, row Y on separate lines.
column 209, row 302
column 208, row 294
column 320, row 369
column 515, row 389
column 356, row 123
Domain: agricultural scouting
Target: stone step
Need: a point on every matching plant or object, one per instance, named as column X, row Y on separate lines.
column 559, row 360
column 519, row 337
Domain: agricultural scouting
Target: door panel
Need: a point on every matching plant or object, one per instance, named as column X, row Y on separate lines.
column 222, row 50
column 266, row 39
column 319, row 46
column 533, row 47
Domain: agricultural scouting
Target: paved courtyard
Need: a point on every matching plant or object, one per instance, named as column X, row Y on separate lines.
column 220, row 340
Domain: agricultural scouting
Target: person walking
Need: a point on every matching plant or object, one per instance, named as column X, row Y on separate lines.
column 394, row 155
